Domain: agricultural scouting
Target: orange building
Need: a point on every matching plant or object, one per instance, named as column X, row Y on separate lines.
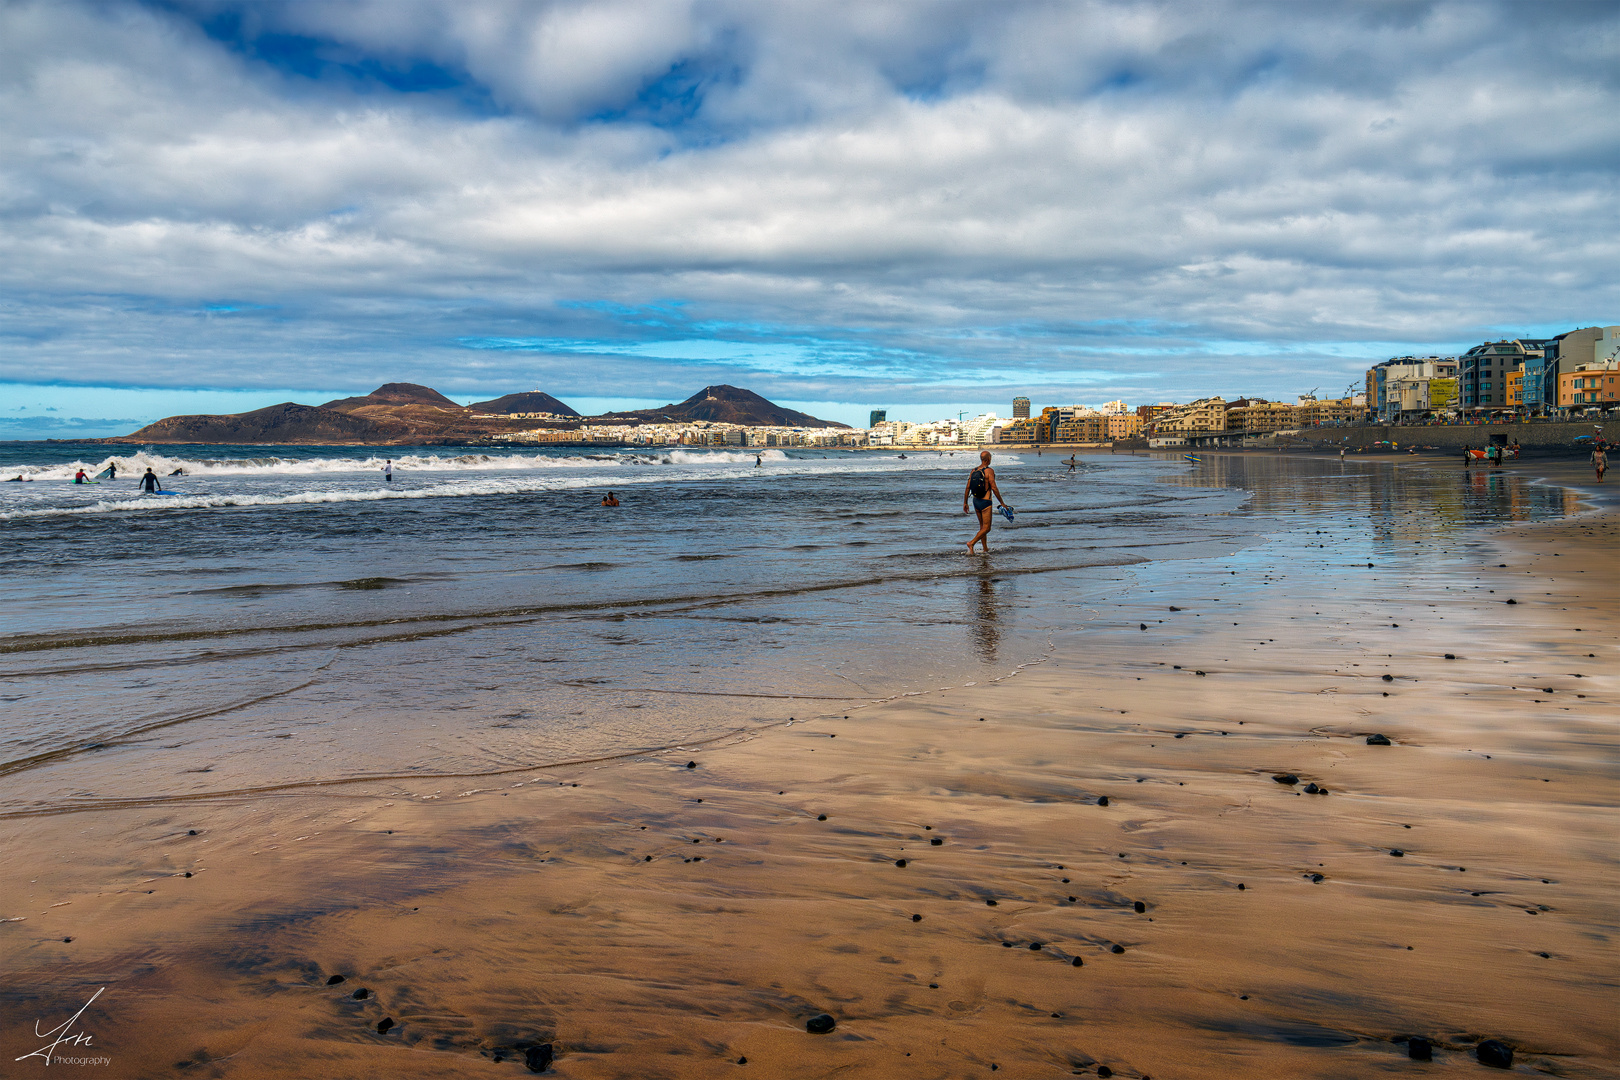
column 1590, row 386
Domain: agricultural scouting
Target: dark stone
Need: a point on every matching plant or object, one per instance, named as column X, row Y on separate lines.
column 1181, row 734
column 742, row 1061
column 1104, row 1071
column 191, row 832
column 1035, row 946
column 1006, row 944
column 361, row 994
column 820, row 1024
column 1451, row 656
column 1397, row 852
column 1311, row 789
column 1241, row 887
column 1419, row 1049
column 1387, row 678
column 1510, row 1053
column 916, row 918
column 1286, row 778
column 1072, row 900
column 1317, row 878
column 1198, row 673
column 67, row 941
column 1116, row 948
column 821, row 817
column 384, row 1024
column 188, row 873
column 1378, row 740
column 901, row 863
column 691, row 764
column 936, row 841
column 1175, row 609
column 1102, row 800
column 334, row 980
column 1077, row 962
column 1494, row 1052
column 1143, row 625
column 538, row 1058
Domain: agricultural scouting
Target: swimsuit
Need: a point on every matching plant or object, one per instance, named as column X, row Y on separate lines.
column 981, row 504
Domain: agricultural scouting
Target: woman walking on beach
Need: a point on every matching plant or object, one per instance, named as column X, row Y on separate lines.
column 982, row 484
column 1600, row 462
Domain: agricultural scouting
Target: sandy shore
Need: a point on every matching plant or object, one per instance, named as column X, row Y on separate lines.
column 938, row 873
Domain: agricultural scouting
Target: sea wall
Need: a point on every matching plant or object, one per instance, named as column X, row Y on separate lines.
column 1543, row 436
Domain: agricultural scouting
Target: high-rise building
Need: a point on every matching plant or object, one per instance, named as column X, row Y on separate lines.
column 1020, row 408
column 877, row 417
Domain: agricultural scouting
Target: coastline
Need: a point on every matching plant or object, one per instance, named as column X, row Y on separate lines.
column 659, row 920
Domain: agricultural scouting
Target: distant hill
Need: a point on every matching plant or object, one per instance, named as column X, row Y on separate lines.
column 531, row 401
column 284, row 423
column 394, row 393
column 405, row 413
column 724, row 405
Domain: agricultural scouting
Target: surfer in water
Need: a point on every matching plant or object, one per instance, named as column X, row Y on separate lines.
column 388, row 470
column 112, row 471
column 759, row 460
column 982, row 484
column 81, row 477
column 150, row 482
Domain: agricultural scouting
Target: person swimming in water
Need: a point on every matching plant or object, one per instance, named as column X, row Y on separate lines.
column 150, row 482
column 610, row 500
column 982, row 483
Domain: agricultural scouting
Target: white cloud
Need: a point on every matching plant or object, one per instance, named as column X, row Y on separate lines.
column 912, row 198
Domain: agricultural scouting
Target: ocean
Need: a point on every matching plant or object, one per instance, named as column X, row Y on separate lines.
column 282, row 618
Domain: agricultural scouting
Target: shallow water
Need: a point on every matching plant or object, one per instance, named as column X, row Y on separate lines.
column 287, row 618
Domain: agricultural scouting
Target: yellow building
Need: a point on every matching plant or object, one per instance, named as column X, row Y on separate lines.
column 1262, row 416
column 1202, row 417
column 1126, row 426
column 1515, row 388
column 1332, row 411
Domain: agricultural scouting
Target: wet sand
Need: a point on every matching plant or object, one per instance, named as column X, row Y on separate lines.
column 649, row 918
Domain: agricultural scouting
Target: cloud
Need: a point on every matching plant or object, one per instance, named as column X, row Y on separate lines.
column 857, row 202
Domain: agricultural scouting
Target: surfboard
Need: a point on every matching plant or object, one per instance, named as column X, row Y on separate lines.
column 104, row 473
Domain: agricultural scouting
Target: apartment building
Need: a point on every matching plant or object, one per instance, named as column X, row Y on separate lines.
column 1313, row 412
column 1483, row 372
column 1201, row 417
column 1590, row 386
column 1397, row 368
column 1258, row 415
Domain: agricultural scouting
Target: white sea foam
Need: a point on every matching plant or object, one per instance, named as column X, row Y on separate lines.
column 137, row 462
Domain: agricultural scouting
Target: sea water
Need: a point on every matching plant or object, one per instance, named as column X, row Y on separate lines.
column 286, row 616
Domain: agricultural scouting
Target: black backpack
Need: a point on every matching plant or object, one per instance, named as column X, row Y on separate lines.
column 976, row 483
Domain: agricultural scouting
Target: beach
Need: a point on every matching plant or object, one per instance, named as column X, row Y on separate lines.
column 932, row 863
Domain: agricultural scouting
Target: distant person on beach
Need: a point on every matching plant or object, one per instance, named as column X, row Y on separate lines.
column 150, row 482
column 1070, row 463
column 759, row 460
column 1600, row 462
column 610, row 500
column 388, row 470
column 1468, row 454
column 982, row 484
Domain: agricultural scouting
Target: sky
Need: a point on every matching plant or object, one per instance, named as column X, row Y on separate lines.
column 925, row 207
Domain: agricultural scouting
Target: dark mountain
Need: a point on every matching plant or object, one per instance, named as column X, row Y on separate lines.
column 284, row 423
column 531, row 401
column 394, row 393
column 724, row 405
